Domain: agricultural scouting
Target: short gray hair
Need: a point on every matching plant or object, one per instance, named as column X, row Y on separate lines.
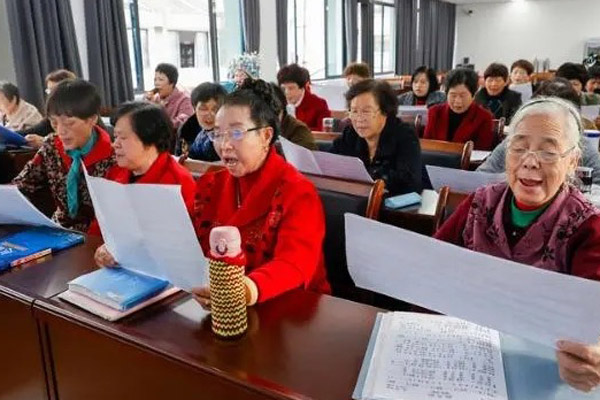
column 552, row 106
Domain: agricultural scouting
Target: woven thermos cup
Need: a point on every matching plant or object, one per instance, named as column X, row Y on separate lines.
column 227, row 289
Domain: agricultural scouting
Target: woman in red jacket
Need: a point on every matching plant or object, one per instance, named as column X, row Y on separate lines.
column 277, row 210
column 143, row 136
column 460, row 119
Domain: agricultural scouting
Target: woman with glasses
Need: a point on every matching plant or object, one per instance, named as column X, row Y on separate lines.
column 207, row 98
column 142, row 141
column 277, row 210
column 388, row 147
column 78, row 141
column 460, row 119
column 537, row 218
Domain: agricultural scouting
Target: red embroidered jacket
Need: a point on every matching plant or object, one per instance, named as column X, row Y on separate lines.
column 280, row 219
column 165, row 170
column 477, row 126
column 312, row 110
column 49, row 168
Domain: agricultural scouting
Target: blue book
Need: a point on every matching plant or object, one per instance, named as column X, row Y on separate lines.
column 8, row 137
column 118, row 288
column 34, row 242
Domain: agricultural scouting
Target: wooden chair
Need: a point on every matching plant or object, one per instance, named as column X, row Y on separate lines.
column 199, row 168
column 453, row 200
column 325, row 136
column 498, row 129
column 339, row 197
column 440, row 210
column 446, row 154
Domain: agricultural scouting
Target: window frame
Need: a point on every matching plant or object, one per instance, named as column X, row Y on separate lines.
column 392, row 8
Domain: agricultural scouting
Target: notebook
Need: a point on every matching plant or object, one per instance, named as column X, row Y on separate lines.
column 117, row 288
column 34, row 242
column 11, row 138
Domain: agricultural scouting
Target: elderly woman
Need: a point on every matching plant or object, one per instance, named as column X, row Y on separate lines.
column 292, row 129
column 425, row 89
column 495, row 94
column 142, row 140
column 537, row 218
column 460, row 119
column 277, row 210
column 356, row 72
column 388, row 147
column 193, row 139
column 72, row 108
column 176, row 103
column 15, row 113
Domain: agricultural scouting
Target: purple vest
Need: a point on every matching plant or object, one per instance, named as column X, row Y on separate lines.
column 544, row 244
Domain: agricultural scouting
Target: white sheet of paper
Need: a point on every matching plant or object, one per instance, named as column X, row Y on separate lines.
column 15, row 208
column 535, row 304
column 147, row 229
column 345, row 167
column 525, row 89
column 420, row 356
column 479, row 155
column 300, row 157
column 332, row 91
column 413, row 111
column 590, row 112
column 459, row 180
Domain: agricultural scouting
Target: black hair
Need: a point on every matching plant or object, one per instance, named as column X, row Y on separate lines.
column 257, row 95
column 149, row 122
column 593, row 72
column 559, row 87
column 572, row 71
column 170, row 72
column 357, row 68
column 280, row 100
column 496, row 70
column 293, row 73
column 74, row 98
column 524, row 64
column 431, row 77
column 208, row 91
column 60, row 75
column 10, row 91
column 462, row 76
column 381, row 90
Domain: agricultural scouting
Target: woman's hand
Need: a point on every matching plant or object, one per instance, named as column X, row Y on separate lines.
column 202, row 296
column 34, row 140
column 579, row 364
column 103, row 257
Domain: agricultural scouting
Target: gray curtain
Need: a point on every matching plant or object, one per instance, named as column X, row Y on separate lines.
column 406, row 39
column 351, row 30
column 282, row 38
column 368, row 40
column 446, row 30
column 108, row 52
column 250, row 25
column 43, row 40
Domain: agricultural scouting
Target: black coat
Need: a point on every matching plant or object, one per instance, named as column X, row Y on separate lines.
column 510, row 101
column 397, row 159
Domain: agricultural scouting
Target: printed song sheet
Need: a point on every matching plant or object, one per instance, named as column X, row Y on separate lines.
column 460, row 180
column 532, row 303
column 15, row 208
column 420, row 356
column 147, row 229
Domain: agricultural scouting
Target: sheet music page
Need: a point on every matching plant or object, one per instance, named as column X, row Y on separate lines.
column 15, row 208
column 525, row 89
column 590, row 112
column 345, row 167
column 460, row 180
column 532, row 303
column 147, row 229
column 420, row 356
column 300, row 157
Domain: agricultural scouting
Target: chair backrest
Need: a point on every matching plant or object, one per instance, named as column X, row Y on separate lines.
column 339, row 197
column 325, row 140
column 446, row 154
column 198, row 168
column 440, row 210
column 420, row 125
column 498, row 130
column 453, row 200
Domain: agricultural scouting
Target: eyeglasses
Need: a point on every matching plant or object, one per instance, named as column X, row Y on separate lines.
column 206, row 111
column 354, row 114
column 235, row 135
column 543, row 156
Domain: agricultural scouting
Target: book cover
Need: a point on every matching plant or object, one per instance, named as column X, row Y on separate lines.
column 34, row 242
column 8, row 137
column 118, row 288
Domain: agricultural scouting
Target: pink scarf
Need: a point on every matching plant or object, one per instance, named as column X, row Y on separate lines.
column 544, row 244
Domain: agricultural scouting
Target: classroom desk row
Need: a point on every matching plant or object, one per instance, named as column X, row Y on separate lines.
column 301, row 345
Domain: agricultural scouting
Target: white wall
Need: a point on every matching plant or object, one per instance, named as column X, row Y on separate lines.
column 7, row 65
column 505, row 32
column 268, row 40
column 79, row 22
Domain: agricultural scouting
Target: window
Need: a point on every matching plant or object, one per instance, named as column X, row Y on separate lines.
column 315, row 36
column 384, row 37
column 180, row 34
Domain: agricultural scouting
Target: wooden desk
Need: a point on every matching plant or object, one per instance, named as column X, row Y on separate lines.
column 419, row 218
